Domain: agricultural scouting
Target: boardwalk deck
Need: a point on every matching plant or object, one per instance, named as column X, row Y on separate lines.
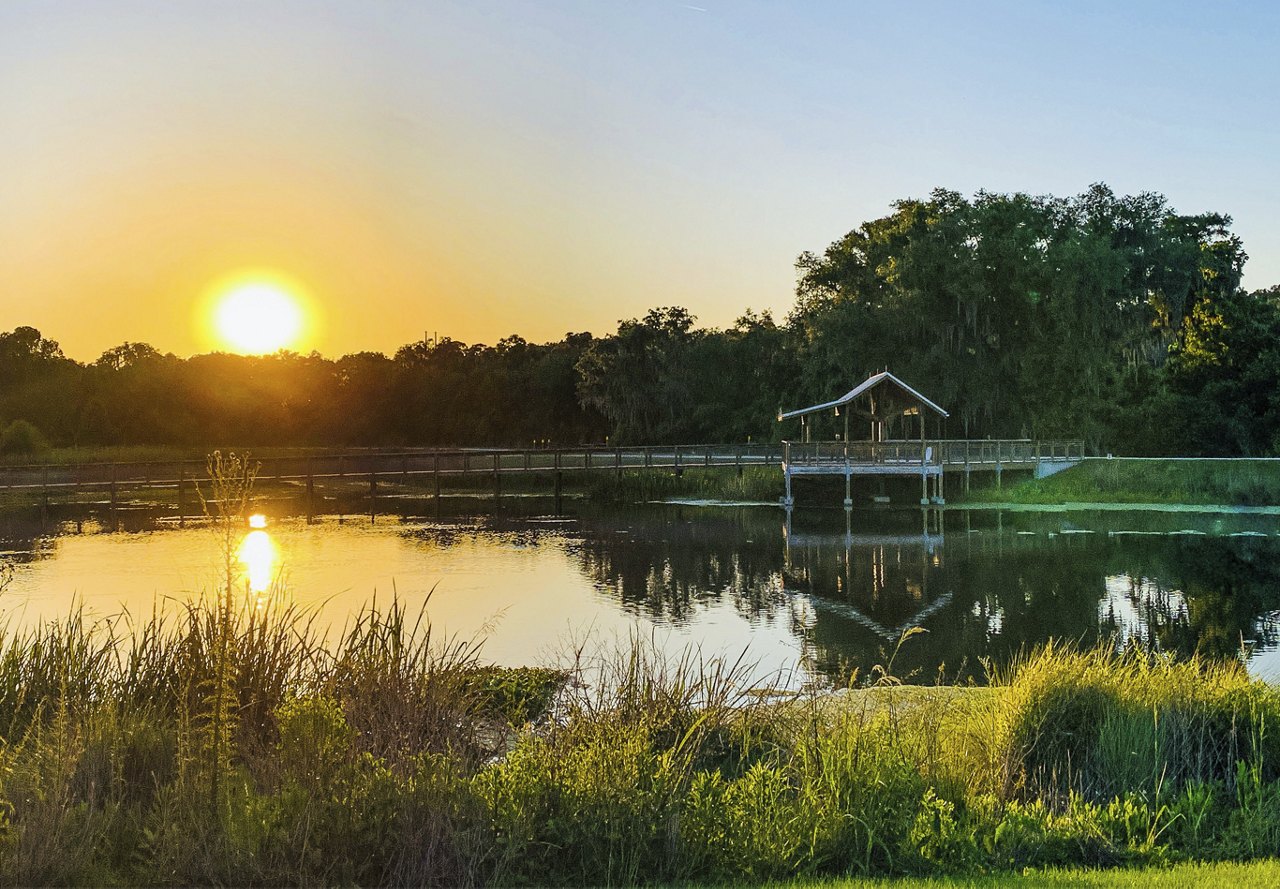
column 925, row 459
column 376, row 467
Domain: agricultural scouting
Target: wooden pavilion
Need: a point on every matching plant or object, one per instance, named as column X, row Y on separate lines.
column 890, row 407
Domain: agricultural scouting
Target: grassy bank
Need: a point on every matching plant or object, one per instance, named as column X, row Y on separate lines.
column 235, row 746
column 1180, row 876
column 1214, row 482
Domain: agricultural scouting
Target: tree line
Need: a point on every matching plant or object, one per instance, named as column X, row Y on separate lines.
column 1113, row 318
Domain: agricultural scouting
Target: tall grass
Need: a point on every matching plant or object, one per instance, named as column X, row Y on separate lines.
column 393, row 757
column 1218, row 482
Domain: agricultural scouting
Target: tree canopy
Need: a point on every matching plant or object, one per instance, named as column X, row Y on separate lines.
column 1113, row 318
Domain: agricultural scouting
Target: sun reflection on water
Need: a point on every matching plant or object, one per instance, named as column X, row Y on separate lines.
column 258, row 555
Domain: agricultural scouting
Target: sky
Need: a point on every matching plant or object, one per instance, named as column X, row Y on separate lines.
column 479, row 169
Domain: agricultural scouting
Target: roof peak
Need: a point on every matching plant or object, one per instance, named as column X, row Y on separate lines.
column 863, row 388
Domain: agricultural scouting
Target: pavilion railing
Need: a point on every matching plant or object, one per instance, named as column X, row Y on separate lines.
column 945, row 452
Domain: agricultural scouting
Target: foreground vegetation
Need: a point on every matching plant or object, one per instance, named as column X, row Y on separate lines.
column 1234, row 483
column 240, row 747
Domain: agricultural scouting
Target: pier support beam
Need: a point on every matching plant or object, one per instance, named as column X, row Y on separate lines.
column 435, row 479
column 559, row 502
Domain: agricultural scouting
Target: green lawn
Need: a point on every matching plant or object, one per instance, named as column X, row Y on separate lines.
column 1215, row 482
column 1260, row 873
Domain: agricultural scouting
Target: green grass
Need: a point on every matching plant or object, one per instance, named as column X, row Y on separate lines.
column 1213, row 482
column 1192, row 875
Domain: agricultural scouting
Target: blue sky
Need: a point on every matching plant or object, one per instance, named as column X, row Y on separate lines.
column 487, row 168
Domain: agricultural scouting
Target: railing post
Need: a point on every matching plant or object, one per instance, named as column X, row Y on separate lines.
column 558, row 481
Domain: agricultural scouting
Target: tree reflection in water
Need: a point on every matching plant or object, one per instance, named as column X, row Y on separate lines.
column 983, row 586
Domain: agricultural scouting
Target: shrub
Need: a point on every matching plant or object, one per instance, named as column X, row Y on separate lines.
column 22, row 439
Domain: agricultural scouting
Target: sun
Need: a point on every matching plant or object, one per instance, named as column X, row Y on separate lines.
column 257, row 317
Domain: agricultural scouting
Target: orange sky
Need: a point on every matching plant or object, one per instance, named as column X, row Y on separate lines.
column 484, row 169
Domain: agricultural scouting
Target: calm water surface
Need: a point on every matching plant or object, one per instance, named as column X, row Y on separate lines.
column 826, row 593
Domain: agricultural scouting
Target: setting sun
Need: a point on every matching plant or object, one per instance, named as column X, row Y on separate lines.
column 258, row 317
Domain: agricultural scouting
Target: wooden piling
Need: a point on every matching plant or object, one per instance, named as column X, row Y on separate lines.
column 435, row 477
column 114, row 520
column 559, row 502
column 311, row 491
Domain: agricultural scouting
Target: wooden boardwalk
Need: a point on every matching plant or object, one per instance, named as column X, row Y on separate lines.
column 925, row 459
column 426, row 467
column 423, row 468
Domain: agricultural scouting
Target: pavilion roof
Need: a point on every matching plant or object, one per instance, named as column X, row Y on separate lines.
column 881, row 379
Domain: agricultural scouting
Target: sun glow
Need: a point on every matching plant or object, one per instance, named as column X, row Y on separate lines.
column 257, row 317
column 257, row 554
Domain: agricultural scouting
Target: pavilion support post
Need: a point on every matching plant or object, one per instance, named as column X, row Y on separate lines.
column 924, row 467
column 788, row 501
column 182, row 478
column 497, row 478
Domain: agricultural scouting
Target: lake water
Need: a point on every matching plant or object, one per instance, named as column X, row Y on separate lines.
column 822, row 595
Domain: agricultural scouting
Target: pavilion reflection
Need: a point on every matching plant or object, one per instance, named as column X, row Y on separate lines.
column 886, row 581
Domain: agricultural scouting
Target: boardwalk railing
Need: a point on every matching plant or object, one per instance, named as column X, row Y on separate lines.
column 976, row 453
column 1006, row 451
column 388, row 465
column 860, row 453
column 376, row 467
